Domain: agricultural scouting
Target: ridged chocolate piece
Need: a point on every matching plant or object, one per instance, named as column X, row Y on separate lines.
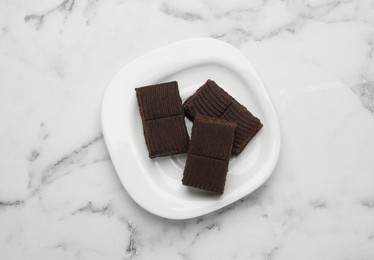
column 211, row 137
column 209, row 153
column 164, row 128
column 247, row 128
column 211, row 100
column 166, row 136
column 205, row 173
column 160, row 100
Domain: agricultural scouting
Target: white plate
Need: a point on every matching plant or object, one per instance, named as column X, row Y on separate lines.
column 155, row 184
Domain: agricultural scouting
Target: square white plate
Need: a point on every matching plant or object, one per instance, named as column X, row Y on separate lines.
column 155, row 184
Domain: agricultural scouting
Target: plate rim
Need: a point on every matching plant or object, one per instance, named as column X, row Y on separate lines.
column 111, row 152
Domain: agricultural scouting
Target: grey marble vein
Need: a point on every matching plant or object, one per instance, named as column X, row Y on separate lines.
column 66, row 6
column 33, row 156
column 48, row 175
column 204, row 230
column 187, row 16
column 368, row 86
column 92, row 209
column 131, row 248
column 368, row 203
column 69, row 158
column 11, row 203
column 318, row 204
column 271, row 253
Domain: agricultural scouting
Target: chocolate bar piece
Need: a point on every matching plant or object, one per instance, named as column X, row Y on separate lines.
column 209, row 153
column 161, row 110
column 211, row 100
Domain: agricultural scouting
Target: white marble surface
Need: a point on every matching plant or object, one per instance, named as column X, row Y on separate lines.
column 60, row 197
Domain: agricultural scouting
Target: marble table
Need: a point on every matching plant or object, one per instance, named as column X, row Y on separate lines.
column 60, row 197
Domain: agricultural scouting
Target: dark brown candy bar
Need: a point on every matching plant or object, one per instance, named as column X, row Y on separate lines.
column 163, row 122
column 211, row 100
column 209, row 153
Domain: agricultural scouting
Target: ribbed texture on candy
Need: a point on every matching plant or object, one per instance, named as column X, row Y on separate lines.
column 160, row 100
column 212, row 137
column 166, row 136
column 247, row 126
column 205, row 173
column 209, row 100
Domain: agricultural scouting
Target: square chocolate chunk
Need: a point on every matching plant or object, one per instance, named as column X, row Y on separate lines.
column 212, row 137
column 205, row 173
column 166, row 136
column 161, row 111
column 159, row 100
